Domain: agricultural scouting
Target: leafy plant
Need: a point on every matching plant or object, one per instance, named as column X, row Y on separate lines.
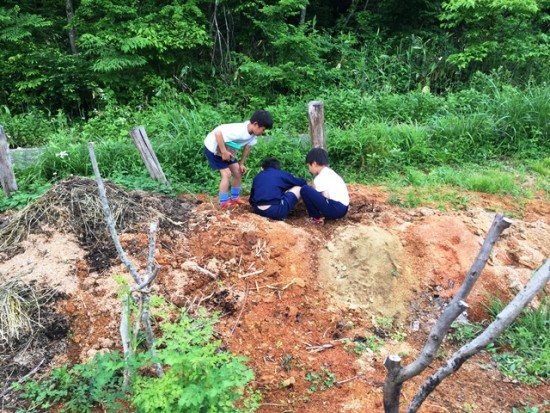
column 322, row 380
column 200, row 376
column 79, row 388
column 464, row 332
column 286, row 362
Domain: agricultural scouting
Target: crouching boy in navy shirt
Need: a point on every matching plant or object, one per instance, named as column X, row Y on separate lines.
column 274, row 193
column 328, row 197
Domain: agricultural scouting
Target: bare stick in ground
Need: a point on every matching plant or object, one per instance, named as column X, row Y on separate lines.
column 502, row 320
column 397, row 374
column 141, row 284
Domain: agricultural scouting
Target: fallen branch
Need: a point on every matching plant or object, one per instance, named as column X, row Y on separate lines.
column 348, row 380
column 251, row 273
column 22, row 379
column 242, row 308
column 274, row 287
column 195, row 266
column 322, row 347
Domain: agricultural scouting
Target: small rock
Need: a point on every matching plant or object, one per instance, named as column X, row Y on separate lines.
column 289, row 382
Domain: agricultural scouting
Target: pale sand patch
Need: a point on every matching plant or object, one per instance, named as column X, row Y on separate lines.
column 49, row 260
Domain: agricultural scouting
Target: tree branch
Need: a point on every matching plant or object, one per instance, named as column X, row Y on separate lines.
column 502, row 321
column 457, row 304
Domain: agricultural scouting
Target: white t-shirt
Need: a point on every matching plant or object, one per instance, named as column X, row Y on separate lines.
column 329, row 181
column 231, row 132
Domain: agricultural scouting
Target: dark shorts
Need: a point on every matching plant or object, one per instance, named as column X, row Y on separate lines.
column 216, row 162
column 279, row 211
column 318, row 206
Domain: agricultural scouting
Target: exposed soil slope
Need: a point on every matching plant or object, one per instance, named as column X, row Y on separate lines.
column 291, row 292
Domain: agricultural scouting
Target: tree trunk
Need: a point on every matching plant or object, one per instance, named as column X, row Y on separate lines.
column 392, row 389
column 398, row 375
column 142, row 285
column 502, row 320
column 457, row 304
column 317, row 124
column 7, row 178
column 72, row 31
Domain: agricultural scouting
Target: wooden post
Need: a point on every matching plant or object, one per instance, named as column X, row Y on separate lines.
column 148, row 154
column 317, row 124
column 6, row 171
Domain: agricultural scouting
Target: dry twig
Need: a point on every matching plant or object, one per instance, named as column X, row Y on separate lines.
column 242, row 308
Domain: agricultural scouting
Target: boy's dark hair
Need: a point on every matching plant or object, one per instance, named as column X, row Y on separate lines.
column 318, row 155
column 271, row 163
column 263, row 118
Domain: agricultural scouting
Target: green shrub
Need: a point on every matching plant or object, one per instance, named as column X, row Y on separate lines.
column 200, row 376
column 30, row 129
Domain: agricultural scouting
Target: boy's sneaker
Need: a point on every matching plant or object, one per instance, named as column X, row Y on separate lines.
column 225, row 204
column 317, row 221
column 238, row 201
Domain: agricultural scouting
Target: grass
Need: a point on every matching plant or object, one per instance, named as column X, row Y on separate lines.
column 490, row 140
column 522, row 351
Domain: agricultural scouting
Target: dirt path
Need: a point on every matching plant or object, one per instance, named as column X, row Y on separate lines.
column 377, row 278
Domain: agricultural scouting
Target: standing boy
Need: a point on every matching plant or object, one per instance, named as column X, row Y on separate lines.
column 274, row 192
column 328, row 197
column 217, row 147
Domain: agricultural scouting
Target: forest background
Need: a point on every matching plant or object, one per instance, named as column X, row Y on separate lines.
column 416, row 93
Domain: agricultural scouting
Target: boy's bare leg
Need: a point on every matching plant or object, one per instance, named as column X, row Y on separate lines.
column 224, row 182
column 237, row 176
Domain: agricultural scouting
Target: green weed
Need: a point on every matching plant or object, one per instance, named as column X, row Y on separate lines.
column 199, row 376
column 523, row 350
column 320, row 381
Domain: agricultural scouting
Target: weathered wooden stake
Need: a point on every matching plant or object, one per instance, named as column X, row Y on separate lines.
column 316, row 117
column 7, row 178
column 148, row 154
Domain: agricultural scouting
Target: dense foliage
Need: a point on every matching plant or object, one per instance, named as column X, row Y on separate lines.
column 73, row 55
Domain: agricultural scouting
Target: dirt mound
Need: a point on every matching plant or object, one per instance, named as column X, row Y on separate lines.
column 298, row 300
column 365, row 267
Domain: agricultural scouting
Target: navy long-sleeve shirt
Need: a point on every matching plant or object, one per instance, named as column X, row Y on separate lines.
column 269, row 186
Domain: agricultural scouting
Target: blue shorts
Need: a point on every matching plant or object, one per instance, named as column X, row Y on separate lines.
column 317, row 205
column 216, row 162
column 278, row 211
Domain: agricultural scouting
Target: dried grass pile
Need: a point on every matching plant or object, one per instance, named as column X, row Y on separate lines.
column 74, row 205
column 21, row 308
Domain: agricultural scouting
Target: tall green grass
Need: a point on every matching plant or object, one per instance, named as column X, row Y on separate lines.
column 451, row 139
